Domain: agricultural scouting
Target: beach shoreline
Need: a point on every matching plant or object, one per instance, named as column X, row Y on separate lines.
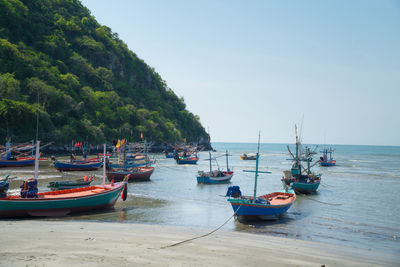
column 60, row 243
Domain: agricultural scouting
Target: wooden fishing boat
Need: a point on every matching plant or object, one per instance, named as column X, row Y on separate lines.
column 77, row 165
column 61, row 202
column 215, row 176
column 60, row 185
column 187, row 160
column 301, row 178
column 246, row 156
column 135, row 174
column 325, row 160
column 17, row 162
column 169, row 155
column 264, row 207
column 136, row 167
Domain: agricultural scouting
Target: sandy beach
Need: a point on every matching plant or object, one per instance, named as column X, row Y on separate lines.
column 55, row 243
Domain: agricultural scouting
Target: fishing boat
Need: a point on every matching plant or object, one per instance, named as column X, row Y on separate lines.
column 17, row 162
column 264, row 207
column 169, row 155
column 246, row 156
column 135, row 167
column 7, row 160
column 77, row 165
column 135, row 174
column 187, row 160
column 325, row 160
column 301, row 178
column 60, row 185
column 215, row 176
column 60, row 202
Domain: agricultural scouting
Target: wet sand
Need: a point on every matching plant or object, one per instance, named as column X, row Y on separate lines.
column 55, row 243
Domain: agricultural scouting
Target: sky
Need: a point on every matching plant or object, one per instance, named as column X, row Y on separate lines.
column 331, row 67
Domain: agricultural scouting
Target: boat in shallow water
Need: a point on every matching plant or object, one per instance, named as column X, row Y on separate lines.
column 325, row 160
column 215, row 176
column 61, row 202
column 264, row 207
column 301, row 178
column 135, row 174
column 77, row 165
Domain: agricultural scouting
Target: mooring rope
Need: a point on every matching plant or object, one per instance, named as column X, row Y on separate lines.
column 332, row 204
column 197, row 237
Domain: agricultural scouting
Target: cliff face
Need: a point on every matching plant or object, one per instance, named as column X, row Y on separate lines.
column 88, row 84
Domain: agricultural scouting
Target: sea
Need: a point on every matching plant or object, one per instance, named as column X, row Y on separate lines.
column 357, row 204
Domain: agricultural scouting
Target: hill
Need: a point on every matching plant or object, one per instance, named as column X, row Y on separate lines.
column 85, row 82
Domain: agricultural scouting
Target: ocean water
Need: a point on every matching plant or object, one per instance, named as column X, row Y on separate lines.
column 357, row 204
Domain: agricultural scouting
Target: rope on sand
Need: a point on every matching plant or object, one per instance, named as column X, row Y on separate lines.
column 197, row 237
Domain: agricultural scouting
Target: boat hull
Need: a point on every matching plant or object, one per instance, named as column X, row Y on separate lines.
column 304, row 187
column 187, row 161
column 215, row 180
column 48, row 204
column 246, row 210
column 17, row 163
column 142, row 174
column 327, row 163
column 65, row 166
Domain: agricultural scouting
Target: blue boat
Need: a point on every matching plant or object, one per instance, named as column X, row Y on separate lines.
column 17, row 163
column 325, row 160
column 264, row 207
column 215, row 176
column 77, row 166
column 300, row 178
column 6, row 160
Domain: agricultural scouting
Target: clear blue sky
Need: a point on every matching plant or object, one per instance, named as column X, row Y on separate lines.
column 245, row 66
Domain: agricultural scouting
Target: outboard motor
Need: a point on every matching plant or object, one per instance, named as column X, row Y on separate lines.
column 29, row 189
column 233, row 191
column 4, row 188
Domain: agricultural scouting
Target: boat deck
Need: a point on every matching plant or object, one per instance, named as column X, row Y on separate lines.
column 68, row 193
column 276, row 198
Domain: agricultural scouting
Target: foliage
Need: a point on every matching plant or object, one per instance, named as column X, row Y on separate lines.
column 56, row 59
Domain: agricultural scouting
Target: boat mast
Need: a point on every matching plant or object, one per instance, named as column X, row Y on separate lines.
column 297, row 151
column 209, row 152
column 104, row 165
column 227, row 166
column 37, row 160
column 256, row 173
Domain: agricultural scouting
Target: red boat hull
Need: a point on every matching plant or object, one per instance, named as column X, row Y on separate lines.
column 140, row 174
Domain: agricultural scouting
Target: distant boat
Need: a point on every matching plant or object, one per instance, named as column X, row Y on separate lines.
column 215, row 176
column 300, row 178
column 135, row 167
column 7, row 160
column 187, row 160
column 17, row 163
column 77, row 165
column 60, row 202
column 134, row 174
column 264, row 207
column 169, row 155
column 325, row 160
column 246, row 156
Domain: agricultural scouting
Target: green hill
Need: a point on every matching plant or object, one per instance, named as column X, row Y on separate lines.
column 90, row 86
